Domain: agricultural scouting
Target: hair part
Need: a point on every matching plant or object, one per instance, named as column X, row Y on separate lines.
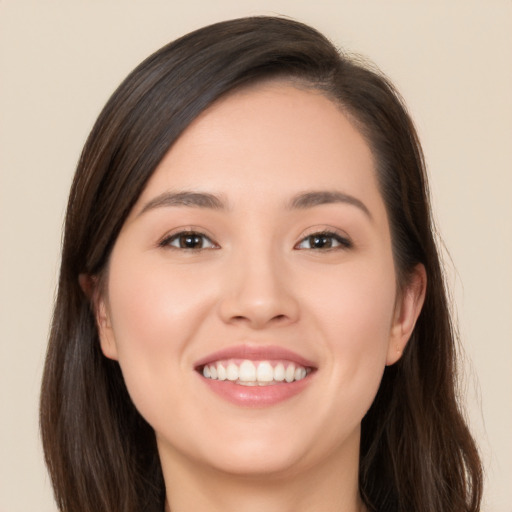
column 416, row 450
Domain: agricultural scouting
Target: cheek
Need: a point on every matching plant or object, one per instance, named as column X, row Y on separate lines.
column 355, row 315
column 153, row 306
column 356, row 303
column 154, row 315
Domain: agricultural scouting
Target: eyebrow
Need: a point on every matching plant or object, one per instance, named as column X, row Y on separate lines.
column 301, row 201
column 192, row 199
column 317, row 198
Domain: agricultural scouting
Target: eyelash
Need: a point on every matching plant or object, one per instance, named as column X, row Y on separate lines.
column 329, row 237
column 182, row 236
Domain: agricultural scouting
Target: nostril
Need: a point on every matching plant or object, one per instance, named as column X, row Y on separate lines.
column 257, row 310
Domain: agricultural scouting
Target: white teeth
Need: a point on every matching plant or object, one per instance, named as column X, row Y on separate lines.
column 247, row 372
column 221, row 372
column 279, row 372
column 265, row 372
column 300, row 373
column 250, row 373
column 289, row 375
column 232, row 371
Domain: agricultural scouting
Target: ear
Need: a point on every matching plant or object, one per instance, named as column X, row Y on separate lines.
column 407, row 310
column 91, row 288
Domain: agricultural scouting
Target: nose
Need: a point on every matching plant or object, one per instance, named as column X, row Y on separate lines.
column 258, row 293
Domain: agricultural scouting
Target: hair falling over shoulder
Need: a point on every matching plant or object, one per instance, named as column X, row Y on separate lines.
column 416, row 453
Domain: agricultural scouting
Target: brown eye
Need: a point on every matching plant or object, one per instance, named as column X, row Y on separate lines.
column 324, row 240
column 188, row 240
column 320, row 242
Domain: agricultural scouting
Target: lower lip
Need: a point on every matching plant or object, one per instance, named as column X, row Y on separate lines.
column 256, row 396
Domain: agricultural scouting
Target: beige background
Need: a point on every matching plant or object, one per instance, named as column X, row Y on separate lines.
column 452, row 60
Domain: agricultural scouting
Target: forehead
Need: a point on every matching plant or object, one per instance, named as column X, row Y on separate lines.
column 273, row 139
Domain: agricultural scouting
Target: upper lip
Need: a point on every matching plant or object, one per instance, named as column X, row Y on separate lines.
column 255, row 353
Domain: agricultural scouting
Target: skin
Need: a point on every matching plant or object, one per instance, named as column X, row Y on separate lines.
column 258, row 281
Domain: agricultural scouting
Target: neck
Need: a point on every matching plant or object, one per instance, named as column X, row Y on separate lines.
column 330, row 487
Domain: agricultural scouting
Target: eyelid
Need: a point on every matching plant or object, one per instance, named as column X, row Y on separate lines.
column 345, row 242
column 164, row 242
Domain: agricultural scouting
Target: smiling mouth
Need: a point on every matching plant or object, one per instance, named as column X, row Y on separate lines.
column 256, row 376
column 247, row 372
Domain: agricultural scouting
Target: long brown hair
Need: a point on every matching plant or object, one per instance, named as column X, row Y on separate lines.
column 416, row 451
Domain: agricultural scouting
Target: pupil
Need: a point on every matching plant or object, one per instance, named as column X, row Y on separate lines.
column 190, row 241
column 320, row 241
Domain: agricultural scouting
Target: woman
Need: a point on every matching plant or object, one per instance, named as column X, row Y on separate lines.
column 251, row 311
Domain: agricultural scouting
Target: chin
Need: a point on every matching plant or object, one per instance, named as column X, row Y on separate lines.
column 258, row 463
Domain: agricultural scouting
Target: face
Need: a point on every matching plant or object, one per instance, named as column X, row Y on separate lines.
column 251, row 296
